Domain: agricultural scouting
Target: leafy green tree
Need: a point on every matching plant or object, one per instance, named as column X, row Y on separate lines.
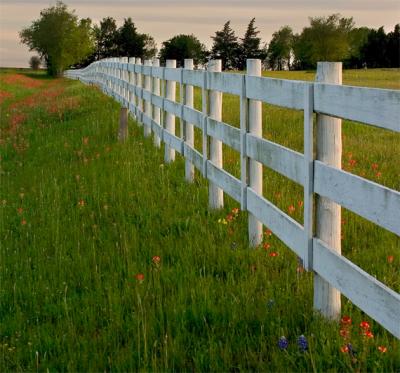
column 130, row 42
column 34, row 62
column 374, row 51
column 250, row 46
column 59, row 37
column 150, row 47
column 326, row 39
column 226, row 47
column 183, row 46
column 280, row 48
column 357, row 39
column 393, row 47
column 106, row 38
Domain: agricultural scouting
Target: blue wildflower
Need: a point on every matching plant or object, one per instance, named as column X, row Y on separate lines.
column 283, row 343
column 302, row 343
column 270, row 303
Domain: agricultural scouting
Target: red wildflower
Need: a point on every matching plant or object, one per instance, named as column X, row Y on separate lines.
column 300, row 204
column 266, row 246
column 273, row 253
column 364, row 325
column 235, row 211
column 20, row 210
column 268, row 233
column 390, row 258
column 374, row 166
column 81, row 203
column 369, row 334
column 23, row 222
column 156, row 259
column 344, row 349
column 139, row 277
column 352, row 162
column 344, row 333
column 382, row 349
column 291, row 209
column 378, row 174
column 345, row 320
column 229, row 217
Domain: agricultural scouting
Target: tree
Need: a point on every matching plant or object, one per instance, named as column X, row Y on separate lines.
column 226, row 47
column 250, row 46
column 280, row 48
column 326, row 39
column 150, row 47
column 393, row 47
column 130, row 42
column 374, row 51
column 357, row 39
column 34, row 62
column 183, row 46
column 106, row 38
column 59, row 38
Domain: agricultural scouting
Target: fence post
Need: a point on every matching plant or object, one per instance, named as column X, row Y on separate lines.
column 215, row 194
column 156, row 110
column 170, row 93
column 139, row 110
column 131, row 76
column 328, row 219
column 189, row 129
column 255, row 168
column 147, row 111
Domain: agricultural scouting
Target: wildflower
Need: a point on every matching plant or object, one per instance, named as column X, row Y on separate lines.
column 235, row 211
column 268, row 233
column 81, row 203
column 300, row 204
column 156, row 259
column 390, row 258
column 344, row 348
column 266, row 246
column 222, row 221
column 374, row 166
column 229, row 217
column 382, row 349
column 139, row 277
column 273, row 253
column 368, row 334
column 21, row 195
column 352, row 162
column 344, row 333
column 23, row 222
column 302, row 343
column 345, row 320
column 364, row 325
column 283, row 343
column 291, row 209
column 20, row 210
column 378, row 174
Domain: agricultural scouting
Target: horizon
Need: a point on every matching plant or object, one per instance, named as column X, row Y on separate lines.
column 205, row 19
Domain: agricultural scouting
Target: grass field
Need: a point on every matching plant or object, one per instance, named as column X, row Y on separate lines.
column 111, row 262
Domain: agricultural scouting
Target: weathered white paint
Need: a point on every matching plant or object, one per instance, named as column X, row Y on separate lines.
column 170, row 93
column 372, row 201
column 193, row 77
column 328, row 218
column 229, row 135
column 193, row 116
column 173, row 142
column 193, row 156
column 365, row 291
column 255, row 168
column 378, row 107
column 138, row 93
column 172, row 107
column 156, row 110
column 215, row 194
column 189, row 129
column 171, row 73
column 224, row 82
column 244, row 160
column 286, row 228
column 277, row 157
column 224, row 180
column 147, row 95
column 131, row 65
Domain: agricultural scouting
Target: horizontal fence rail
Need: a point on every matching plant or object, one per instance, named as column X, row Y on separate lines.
column 134, row 86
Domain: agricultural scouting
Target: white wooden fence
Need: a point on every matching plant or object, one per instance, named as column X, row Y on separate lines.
column 137, row 87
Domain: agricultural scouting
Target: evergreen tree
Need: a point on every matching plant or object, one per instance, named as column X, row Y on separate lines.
column 226, row 47
column 130, row 42
column 393, row 47
column 374, row 52
column 250, row 46
column 106, row 38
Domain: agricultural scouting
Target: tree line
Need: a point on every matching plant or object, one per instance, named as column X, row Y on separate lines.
column 62, row 40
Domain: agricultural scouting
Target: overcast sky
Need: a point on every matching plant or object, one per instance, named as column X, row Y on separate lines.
column 163, row 19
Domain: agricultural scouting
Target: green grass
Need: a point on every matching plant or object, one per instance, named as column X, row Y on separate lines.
column 82, row 215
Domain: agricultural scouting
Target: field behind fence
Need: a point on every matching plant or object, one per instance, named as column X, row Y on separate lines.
column 149, row 92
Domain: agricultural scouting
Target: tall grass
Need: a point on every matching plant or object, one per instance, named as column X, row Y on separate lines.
column 84, row 220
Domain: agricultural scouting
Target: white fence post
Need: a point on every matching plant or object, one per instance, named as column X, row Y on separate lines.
column 139, row 97
column 147, row 111
column 170, row 93
column 215, row 194
column 328, row 219
column 255, row 168
column 189, row 129
column 131, row 75
column 156, row 110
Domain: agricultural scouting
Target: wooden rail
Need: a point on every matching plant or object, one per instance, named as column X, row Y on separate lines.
column 137, row 87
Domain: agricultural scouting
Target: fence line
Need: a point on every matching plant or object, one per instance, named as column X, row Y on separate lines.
column 137, row 87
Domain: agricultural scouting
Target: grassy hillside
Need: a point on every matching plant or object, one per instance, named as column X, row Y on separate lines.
column 110, row 261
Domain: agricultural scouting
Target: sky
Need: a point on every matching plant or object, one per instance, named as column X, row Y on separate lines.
column 163, row 19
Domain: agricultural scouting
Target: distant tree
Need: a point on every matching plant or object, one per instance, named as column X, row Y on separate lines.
column 34, row 62
column 393, row 47
column 226, row 47
column 106, row 38
column 150, row 47
column 357, row 39
column 183, row 46
column 326, row 39
column 374, row 51
column 280, row 48
column 250, row 46
column 59, row 38
column 130, row 42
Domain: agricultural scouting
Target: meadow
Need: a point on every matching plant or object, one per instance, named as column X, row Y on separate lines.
column 110, row 261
